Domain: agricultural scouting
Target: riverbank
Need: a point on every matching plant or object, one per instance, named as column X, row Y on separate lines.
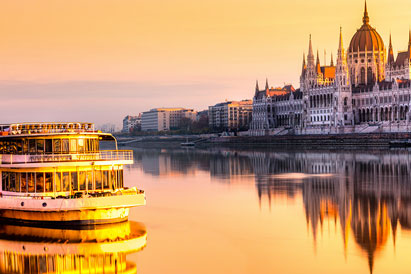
column 367, row 140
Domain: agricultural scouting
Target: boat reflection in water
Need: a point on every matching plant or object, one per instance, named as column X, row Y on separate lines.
column 100, row 249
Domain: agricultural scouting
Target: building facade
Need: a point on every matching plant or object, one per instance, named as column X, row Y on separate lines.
column 366, row 90
column 131, row 122
column 164, row 119
column 232, row 115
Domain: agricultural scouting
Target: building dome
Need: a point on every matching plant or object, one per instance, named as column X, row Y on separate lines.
column 366, row 38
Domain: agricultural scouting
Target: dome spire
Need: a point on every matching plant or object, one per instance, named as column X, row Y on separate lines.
column 365, row 19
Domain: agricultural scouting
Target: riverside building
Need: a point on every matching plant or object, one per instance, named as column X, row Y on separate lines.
column 231, row 115
column 164, row 119
column 366, row 90
column 131, row 122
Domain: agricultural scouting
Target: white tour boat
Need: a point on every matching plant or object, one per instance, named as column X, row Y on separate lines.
column 55, row 173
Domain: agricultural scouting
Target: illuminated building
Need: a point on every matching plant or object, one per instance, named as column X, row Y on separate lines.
column 367, row 90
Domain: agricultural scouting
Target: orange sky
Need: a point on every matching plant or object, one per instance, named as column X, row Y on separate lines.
column 80, row 58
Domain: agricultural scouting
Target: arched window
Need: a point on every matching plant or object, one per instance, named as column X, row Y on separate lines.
column 362, row 81
column 345, row 101
column 369, row 76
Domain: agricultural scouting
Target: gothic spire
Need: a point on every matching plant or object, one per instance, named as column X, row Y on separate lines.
column 365, row 19
column 304, row 64
column 318, row 66
column 390, row 53
column 409, row 45
column 266, row 84
column 256, row 85
column 340, row 54
column 310, row 48
column 332, row 60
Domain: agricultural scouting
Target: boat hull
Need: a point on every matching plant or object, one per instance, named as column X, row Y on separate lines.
column 74, row 217
column 81, row 211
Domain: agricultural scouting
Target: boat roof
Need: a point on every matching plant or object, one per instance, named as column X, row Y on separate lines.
column 50, row 129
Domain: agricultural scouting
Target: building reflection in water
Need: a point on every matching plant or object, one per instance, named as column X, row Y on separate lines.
column 368, row 192
column 102, row 249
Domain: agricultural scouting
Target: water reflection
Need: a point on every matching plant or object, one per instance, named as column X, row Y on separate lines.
column 45, row 250
column 367, row 194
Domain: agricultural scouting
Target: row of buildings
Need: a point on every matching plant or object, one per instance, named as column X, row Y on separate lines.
column 225, row 116
column 366, row 90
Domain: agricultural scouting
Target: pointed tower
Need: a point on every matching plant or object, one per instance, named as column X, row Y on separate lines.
column 409, row 46
column 390, row 60
column 266, row 84
column 304, row 68
column 310, row 76
column 389, row 66
column 343, row 115
column 257, row 89
column 341, row 74
column 317, row 64
column 332, row 60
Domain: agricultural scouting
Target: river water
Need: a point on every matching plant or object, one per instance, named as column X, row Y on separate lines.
column 258, row 211
column 222, row 210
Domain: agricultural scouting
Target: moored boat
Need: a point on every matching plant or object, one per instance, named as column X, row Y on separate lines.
column 55, row 173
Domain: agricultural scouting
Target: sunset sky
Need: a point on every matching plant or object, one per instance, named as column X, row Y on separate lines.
column 99, row 60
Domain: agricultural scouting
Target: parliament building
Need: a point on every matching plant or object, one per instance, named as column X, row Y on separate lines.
column 367, row 90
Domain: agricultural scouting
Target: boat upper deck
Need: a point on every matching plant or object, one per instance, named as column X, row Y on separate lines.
column 34, row 129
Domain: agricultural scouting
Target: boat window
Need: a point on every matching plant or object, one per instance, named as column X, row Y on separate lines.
column 82, row 180
column 23, row 182
column 106, row 184
column 120, row 179
column 19, row 146
column 57, row 145
column 57, row 181
column 12, row 147
column 49, row 146
column 30, row 181
column 98, row 179
column 81, row 145
column 40, row 146
column 32, row 146
column 113, row 180
column 65, row 145
column 18, row 182
column 49, row 181
column 66, row 181
column 6, row 147
column 74, row 181
column 73, row 146
column 12, row 185
column 5, row 181
column 89, row 178
column 25, row 146
column 39, row 182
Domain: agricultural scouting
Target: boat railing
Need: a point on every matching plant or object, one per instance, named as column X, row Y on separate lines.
column 104, row 155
